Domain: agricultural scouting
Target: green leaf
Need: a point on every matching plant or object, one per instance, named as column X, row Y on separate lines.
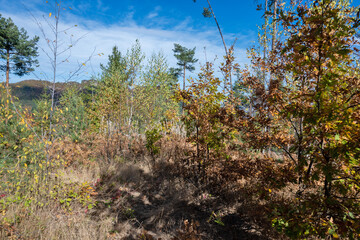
column 351, row 215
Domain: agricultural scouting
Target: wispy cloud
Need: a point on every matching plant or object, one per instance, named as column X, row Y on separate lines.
column 101, row 7
column 99, row 39
column 154, row 13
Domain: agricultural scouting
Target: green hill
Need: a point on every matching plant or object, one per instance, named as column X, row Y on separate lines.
column 28, row 91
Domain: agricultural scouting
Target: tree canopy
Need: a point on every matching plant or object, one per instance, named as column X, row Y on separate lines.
column 18, row 51
column 186, row 60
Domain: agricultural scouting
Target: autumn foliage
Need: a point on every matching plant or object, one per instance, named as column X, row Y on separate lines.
column 282, row 141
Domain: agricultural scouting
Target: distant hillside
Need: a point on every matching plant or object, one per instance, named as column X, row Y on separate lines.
column 28, row 91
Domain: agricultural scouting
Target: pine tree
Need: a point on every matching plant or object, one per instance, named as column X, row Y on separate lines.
column 116, row 62
column 185, row 59
column 16, row 49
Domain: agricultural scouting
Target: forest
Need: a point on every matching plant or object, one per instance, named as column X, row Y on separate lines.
column 144, row 150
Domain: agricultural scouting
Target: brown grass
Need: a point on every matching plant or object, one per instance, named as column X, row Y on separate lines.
column 141, row 199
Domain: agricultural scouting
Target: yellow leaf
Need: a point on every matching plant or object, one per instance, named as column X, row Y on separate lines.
column 50, row 14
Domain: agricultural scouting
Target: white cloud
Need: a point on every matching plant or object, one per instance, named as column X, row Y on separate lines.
column 100, row 6
column 154, row 13
column 103, row 37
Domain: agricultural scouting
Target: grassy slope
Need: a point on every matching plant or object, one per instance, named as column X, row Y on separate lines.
column 28, row 91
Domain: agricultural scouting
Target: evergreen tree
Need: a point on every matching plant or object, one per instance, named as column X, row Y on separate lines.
column 117, row 89
column 16, row 49
column 115, row 63
column 185, row 59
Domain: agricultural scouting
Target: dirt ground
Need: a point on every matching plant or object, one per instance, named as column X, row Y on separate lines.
column 158, row 205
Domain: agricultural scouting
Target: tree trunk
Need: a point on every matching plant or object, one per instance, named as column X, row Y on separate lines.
column 218, row 26
column 327, row 188
column 183, row 104
column 7, row 82
column 184, row 78
column 274, row 25
column 131, row 111
column 265, row 40
column 7, row 67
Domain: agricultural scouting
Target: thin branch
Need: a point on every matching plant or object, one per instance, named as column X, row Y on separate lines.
column 218, row 26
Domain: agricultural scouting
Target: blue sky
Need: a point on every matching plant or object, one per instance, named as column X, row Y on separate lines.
column 158, row 24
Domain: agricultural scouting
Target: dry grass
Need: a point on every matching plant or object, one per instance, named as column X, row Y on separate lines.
column 52, row 223
column 137, row 198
